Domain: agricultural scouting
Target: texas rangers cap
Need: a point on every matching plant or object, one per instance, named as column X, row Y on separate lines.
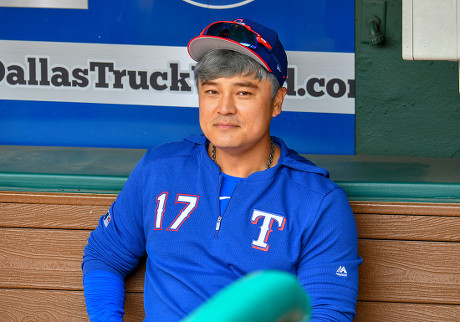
column 244, row 36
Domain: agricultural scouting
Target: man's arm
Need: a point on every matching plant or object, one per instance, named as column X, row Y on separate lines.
column 114, row 249
column 104, row 296
column 328, row 267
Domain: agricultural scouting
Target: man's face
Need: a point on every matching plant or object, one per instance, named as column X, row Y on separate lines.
column 235, row 112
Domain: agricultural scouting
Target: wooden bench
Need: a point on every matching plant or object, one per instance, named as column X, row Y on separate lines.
column 411, row 249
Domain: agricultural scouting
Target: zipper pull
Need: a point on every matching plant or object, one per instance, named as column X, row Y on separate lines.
column 218, row 223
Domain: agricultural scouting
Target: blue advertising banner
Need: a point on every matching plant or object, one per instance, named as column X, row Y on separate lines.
column 117, row 73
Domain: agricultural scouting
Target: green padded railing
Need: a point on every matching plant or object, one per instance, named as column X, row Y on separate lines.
column 100, row 170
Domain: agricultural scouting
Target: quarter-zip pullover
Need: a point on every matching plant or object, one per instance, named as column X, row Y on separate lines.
column 290, row 217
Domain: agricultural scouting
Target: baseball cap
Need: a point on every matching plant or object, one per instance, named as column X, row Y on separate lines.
column 244, row 36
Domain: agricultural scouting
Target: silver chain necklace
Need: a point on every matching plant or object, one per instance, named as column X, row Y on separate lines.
column 270, row 157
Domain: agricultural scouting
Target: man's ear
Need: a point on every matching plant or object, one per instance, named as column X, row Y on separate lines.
column 278, row 101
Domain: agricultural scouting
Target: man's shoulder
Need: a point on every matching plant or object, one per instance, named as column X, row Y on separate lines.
column 314, row 181
column 307, row 175
column 184, row 148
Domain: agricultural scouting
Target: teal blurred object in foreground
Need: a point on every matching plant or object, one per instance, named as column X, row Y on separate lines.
column 265, row 296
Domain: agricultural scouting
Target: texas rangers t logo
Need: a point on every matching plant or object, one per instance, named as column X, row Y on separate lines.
column 266, row 227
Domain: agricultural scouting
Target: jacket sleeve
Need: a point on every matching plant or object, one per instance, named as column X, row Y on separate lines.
column 328, row 267
column 118, row 242
column 104, row 296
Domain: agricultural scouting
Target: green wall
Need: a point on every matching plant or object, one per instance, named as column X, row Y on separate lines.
column 404, row 108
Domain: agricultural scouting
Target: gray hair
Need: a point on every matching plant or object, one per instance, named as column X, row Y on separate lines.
column 227, row 63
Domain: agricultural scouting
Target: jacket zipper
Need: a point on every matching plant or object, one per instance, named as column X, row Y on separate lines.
column 219, row 219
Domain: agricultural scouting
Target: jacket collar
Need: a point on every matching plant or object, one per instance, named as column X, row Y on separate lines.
column 288, row 158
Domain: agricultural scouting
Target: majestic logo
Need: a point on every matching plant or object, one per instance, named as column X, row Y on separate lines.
column 342, row 271
column 218, row 4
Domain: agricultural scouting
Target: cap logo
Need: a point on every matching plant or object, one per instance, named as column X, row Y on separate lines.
column 218, row 4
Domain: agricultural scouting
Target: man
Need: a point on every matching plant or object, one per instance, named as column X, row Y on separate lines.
column 212, row 208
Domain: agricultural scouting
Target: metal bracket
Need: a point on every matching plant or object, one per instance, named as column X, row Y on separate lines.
column 373, row 20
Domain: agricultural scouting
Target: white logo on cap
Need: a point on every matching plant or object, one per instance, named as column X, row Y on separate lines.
column 231, row 4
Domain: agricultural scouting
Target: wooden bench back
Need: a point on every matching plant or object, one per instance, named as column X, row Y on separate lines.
column 411, row 252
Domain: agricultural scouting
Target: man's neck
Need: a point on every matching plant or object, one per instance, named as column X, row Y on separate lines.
column 244, row 163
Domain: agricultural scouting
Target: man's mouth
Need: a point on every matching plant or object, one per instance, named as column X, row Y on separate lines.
column 223, row 125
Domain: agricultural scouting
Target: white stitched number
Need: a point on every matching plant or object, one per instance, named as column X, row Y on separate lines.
column 161, row 201
column 190, row 204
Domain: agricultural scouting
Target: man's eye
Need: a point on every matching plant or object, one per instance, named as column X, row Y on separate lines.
column 211, row 91
column 243, row 93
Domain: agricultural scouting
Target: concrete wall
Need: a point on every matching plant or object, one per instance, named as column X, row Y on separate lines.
column 404, row 108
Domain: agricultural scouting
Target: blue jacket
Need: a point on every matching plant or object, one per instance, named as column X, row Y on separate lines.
column 290, row 217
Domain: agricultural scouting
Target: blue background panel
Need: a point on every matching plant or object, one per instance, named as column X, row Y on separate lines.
column 133, row 126
column 322, row 26
column 302, row 25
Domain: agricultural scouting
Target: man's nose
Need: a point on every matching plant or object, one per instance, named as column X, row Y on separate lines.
column 227, row 104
